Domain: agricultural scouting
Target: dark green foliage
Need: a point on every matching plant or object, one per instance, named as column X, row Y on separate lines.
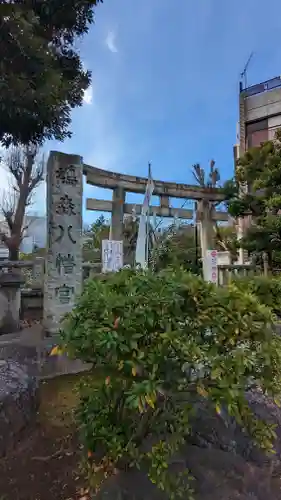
column 42, row 77
column 226, row 240
column 158, row 338
column 94, row 235
column 177, row 247
column 256, row 192
column 266, row 289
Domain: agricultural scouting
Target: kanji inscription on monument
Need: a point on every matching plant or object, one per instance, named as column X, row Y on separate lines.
column 67, row 175
column 65, row 206
column 65, row 263
column 63, row 277
column 64, row 293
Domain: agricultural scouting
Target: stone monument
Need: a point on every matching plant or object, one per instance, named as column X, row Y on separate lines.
column 10, row 301
column 63, row 271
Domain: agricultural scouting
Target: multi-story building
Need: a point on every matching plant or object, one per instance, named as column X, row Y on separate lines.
column 259, row 119
column 259, row 114
column 35, row 234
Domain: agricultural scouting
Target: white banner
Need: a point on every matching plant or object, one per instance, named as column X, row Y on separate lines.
column 112, row 255
column 141, row 257
column 147, row 198
column 211, row 266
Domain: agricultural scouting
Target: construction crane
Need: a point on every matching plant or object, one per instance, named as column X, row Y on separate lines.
column 243, row 75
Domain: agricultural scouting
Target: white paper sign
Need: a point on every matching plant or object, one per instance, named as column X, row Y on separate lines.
column 112, row 255
column 212, row 266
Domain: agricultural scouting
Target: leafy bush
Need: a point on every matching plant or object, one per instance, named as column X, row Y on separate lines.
column 159, row 339
column 266, row 288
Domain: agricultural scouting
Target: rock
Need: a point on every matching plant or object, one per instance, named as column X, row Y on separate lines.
column 25, row 355
column 266, row 409
column 218, row 475
column 18, row 402
column 219, row 455
column 210, row 430
column 223, row 475
column 31, row 349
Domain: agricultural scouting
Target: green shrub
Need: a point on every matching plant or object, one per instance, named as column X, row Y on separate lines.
column 266, row 288
column 158, row 339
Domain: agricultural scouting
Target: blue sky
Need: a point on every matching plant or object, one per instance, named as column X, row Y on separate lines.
column 165, row 80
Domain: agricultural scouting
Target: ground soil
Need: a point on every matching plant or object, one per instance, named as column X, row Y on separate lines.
column 46, row 463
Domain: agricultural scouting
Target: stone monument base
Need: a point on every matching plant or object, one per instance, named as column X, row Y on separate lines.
column 31, row 348
column 10, row 301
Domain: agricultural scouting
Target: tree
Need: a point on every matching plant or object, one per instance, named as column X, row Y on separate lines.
column 42, row 77
column 200, row 176
column 100, row 230
column 26, row 169
column 256, row 192
column 94, row 235
column 226, row 240
column 225, row 236
column 177, row 247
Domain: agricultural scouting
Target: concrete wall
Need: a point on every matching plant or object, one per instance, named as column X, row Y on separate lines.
column 263, row 105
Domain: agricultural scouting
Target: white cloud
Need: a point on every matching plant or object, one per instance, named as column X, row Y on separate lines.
column 88, row 95
column 110, row 42
column 109, row 148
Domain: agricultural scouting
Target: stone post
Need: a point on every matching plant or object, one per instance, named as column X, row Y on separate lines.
column 117, row 217
column 63, row 270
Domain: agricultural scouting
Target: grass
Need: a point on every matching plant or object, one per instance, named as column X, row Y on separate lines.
column 59, row 399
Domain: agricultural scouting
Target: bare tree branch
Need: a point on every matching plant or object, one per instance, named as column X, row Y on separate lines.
column 8, row 214
column 27, row 171
column 199, row 174
column 38, row 174
column 214, row 175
